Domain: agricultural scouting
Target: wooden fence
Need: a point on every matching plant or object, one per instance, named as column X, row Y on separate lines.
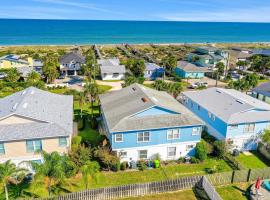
column 210, row 189
column 135, row 190
column 132, row 190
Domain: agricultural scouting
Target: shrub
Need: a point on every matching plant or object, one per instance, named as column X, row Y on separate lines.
column 181, row 160
column 156, row 164
column 194, row 160
column 79, row 155
column 156, row 157
column 76, row 141
column 124, row 165
column 141, row 80
column 220, row 149
column 142, row 165
column 201, row 152
column 116, row 166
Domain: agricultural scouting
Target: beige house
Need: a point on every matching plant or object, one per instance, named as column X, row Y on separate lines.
column 33, row 120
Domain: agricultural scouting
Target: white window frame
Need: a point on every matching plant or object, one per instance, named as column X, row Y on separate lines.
column 197, row 132
column 168, row 151
column 213, row 117
column 122, row 154
column 35, row 146
column 62, row 145
column 143, row 136
column 175, row 135
column 210, row 115
column 139, row 154
column 247, row 128
column 116, row 137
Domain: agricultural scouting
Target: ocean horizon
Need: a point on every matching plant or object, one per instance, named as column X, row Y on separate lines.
column 86, row 32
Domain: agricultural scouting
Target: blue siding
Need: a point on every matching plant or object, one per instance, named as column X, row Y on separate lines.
column 157, row 137
column 154, row 74
column 155, row 111
column 217, row 124
column 184, row 74
column 239, row 131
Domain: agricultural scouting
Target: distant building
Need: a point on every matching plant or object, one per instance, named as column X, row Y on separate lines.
column 262, row 92
column 230, row 115
column 208, row 57
column 12, row 61
column 71, row 63
column 262, row 52
column 186, row 69
column 110, row 69
column 32, row 120
column 153, row 71
column 141, row 122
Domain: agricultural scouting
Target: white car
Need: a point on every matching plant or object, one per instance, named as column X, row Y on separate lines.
column 198, row 84
column 3, row 75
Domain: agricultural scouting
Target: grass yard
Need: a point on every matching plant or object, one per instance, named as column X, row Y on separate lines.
column 237, row 191
column 185, row 195
column 91, row 136
column 253, row 161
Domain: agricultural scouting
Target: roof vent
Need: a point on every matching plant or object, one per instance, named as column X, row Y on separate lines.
column 144, row 99
column 23, row 92
column 154, row 98
column 238, row 101
column 32, row 92
column 134, row 89
column 218, row 91
column 25, row 105
column 15, row 106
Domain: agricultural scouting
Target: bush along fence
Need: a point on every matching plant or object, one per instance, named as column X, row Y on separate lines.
column 206, row 182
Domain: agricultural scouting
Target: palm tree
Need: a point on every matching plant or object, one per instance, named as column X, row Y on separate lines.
column 9, row 173
column 51, row 170
column 175, row 89
column 91, row 92
column 89, row 170
column 220, row 70
column 81, row 99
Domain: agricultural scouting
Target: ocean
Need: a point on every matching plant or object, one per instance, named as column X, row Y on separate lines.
column 64, row 32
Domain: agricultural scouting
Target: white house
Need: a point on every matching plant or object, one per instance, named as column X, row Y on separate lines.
column 110, row 69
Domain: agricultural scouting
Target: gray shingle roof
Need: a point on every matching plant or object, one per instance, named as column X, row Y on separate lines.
column 109, row 62
column 119, row 108
column 263, row 89
column 110, row 69
column 230, row 105
column 189, row 67
column 72, row 57
column 42, row 107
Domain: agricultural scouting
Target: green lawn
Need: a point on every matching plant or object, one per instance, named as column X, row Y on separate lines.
column 90, row 135
column 252, row 161
column 236, row 191
column 172, row 171
column 185, row 195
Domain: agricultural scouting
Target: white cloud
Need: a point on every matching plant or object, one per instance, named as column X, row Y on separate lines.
column 233, row 15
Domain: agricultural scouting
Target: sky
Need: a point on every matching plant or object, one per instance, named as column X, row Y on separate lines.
column 152, row 10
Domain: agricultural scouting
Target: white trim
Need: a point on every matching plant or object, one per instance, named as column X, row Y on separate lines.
column 146, row 154
column 178, row 129
column 198, row 132
column 171, row 156
column 122, row 137
column 143, row 136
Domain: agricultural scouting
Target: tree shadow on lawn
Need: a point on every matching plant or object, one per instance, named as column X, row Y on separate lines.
column 245, row 193
column 261, row 158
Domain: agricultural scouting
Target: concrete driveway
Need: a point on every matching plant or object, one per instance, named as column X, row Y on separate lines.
column 211, row 82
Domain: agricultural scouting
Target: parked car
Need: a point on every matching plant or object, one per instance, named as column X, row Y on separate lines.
column 198, row 84
column 62, row 76
column 3, row 75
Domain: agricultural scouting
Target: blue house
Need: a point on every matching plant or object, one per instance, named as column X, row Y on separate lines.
column 153, row 71
column 186, row 69
column 141, row 122
column 230, row 115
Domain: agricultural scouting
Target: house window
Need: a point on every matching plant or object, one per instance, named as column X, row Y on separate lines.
column 2, row 149
column 209, row 115
column 115, row 75
column 142, row 154
column 189, row 147
column 196, row 131
column 148, row 72
column 213, row 117
column 233, row 126
column 118, row 138
column 173, row 134
column 199, row 107
column 33, row 145
column 122, row 154
column 171, row 151
column 144, row 137
column 62, row 142
column 249, row 128
column 191, row 104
